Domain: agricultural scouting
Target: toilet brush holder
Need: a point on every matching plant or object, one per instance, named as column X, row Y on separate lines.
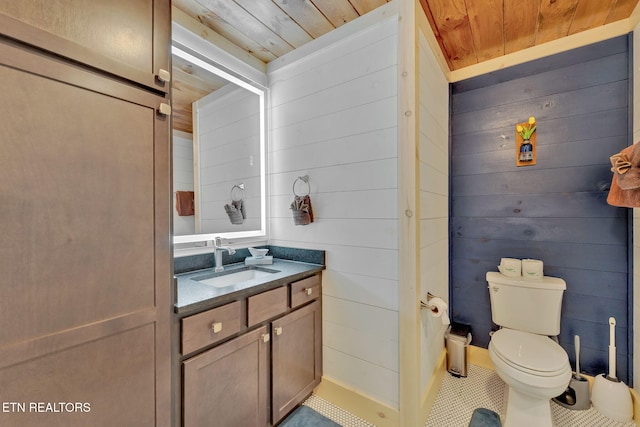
column 612, row 398
column 576, row 396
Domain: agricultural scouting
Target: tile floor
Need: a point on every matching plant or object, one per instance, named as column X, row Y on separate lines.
column 334, row 413
column 458, row 397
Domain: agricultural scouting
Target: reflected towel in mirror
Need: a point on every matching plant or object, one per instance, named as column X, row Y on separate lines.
column 236, row 211
column 184, row 203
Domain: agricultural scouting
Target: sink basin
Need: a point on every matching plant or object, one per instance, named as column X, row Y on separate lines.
column 224, row 279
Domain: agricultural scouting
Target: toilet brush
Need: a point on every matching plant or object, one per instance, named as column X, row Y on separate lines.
column 576, row 396
column 610, row 396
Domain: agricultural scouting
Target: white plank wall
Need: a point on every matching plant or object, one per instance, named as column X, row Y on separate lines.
column 182, row 179
column 333, row 117
column 434, row 201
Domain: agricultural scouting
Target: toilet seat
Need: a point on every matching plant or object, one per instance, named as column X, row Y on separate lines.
column 534, row 354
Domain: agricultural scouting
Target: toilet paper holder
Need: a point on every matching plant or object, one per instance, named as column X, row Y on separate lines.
column 428, row 304
column 437, row 307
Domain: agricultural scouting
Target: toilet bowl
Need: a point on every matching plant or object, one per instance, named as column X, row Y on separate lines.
column 535, row 369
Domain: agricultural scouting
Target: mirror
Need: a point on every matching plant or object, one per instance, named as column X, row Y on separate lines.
column 222, row 159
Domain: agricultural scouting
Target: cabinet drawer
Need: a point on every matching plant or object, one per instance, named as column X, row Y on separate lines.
column 211, row 326
column 305, row 290
column 266, row 305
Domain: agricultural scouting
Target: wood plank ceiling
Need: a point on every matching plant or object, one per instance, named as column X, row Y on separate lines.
column 474, row 31
column 468, row 31
column 267, row 29
column 189, row 83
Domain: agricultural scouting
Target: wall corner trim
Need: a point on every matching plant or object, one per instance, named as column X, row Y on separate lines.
column 431, row 390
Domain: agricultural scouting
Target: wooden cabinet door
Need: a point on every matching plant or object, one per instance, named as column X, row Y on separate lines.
column 85, row 252
column 127, row 38
column 297, row 358
column 228, row 385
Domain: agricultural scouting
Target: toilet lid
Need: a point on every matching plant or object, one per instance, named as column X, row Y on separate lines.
column 528, row 352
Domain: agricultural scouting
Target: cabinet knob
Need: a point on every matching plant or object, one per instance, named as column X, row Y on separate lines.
column 278, row 330
column 265, row 337
column 216, row 327
column 164, row 75
column 164, row 109
column 308, row 291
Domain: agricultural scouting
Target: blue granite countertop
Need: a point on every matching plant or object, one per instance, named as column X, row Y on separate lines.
column 194, row 296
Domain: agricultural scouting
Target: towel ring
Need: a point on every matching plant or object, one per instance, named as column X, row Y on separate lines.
column 304, row 179
column 240, row 188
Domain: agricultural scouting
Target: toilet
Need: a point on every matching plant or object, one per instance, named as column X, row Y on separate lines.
column 534, row 366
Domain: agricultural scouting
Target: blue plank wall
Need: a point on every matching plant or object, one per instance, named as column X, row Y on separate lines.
column 555, row 211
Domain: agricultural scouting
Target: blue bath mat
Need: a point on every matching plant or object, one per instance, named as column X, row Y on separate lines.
column 485, row 418
column 304, row 416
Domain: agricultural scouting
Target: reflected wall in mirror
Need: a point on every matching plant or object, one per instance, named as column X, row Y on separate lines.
column 226, row 149
column 219, row 150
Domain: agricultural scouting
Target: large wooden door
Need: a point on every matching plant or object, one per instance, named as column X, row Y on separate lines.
column 85, row 258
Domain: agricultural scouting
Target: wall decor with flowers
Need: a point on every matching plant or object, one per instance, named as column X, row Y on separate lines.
column 526, row 143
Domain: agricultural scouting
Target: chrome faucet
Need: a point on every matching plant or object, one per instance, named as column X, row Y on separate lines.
column 218, row 248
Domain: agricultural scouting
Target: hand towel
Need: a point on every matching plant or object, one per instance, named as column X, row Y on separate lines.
column 625, row 184
column 185, row 203
column 302, row 210
column 626, row 167
column 236, row 211
column 239, row 204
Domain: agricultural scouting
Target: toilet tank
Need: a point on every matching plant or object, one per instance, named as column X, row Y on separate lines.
column 526, row 304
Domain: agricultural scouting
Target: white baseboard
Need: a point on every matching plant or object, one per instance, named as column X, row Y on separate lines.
column 358, row 404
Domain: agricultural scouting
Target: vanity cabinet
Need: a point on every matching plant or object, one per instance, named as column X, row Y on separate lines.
column 129, row 39
column 255, row 373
